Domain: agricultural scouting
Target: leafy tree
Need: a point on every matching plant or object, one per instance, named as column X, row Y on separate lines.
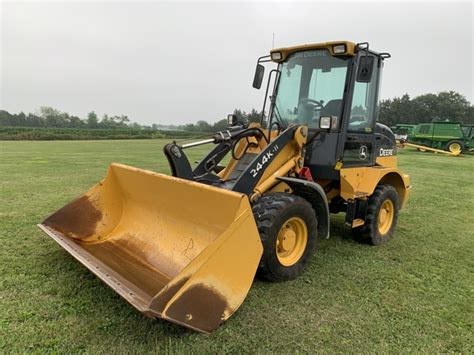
column 6, row 119
column 219, row 125
column 190, row 127
column 241, row 115
column 203, row 126
column 92, row 120
column 122, row 120
column 106, row 122
column 53, row 117
column 254, row 116
column 76, row 122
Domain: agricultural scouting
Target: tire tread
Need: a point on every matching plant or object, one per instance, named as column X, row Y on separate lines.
column 266, row 211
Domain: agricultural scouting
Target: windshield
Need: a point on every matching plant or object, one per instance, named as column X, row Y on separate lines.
column 311, row 85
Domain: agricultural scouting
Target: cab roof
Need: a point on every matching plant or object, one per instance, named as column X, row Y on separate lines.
column 350, row 49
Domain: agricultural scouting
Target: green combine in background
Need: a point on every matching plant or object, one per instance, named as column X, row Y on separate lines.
column 453, row 137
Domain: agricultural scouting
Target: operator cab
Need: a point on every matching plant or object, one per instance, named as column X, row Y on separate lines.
column 333, row 89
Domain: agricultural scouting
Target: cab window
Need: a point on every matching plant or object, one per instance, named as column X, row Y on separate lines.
column 364, row 105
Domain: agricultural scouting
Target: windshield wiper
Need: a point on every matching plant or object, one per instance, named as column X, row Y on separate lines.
column 283, row 122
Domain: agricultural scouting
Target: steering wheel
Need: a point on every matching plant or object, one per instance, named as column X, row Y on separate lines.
column 315, row 103
column 307, row 109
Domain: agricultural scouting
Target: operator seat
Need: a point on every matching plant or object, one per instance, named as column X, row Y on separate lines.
column 332, row 108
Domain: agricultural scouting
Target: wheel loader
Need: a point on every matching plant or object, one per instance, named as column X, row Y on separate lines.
column 186, row 247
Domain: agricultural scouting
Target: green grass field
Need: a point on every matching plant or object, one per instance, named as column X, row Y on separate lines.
column 413, row 294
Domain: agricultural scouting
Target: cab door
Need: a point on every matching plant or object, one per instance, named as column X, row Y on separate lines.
column 361, row 112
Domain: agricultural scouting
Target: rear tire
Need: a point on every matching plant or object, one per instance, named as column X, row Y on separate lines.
column 381, row 217
column 288, row 230
column 455, row 147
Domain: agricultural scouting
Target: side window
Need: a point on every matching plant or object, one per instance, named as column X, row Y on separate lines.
column 364, row 104
column 327, row 88
column 424, row 129
column 327, row 85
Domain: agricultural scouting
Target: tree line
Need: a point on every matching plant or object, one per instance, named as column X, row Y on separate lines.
column 447, row 105
column 48, row 117
column 443, row 106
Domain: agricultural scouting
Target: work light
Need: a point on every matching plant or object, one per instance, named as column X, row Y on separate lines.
column 231, row 119
column 339, row 49
column 325, row 122
column 276, row 56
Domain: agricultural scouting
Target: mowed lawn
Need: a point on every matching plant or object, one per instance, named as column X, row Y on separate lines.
column 413, row 294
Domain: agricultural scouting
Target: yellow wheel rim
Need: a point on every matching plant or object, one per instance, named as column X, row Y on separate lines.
column 454, row 147
column 386, row 214
column 291, row 241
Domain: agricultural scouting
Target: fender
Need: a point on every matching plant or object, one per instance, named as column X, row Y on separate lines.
column 315, row 195
column 360, row 182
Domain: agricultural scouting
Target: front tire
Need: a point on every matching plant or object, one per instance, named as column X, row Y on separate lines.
column 288, row 230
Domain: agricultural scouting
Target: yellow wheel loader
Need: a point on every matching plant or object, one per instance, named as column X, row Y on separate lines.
column 186, row 247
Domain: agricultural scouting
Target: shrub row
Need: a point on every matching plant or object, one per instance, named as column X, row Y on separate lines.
column 43, row 134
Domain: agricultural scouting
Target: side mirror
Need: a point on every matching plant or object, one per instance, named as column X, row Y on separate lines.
column 365, row 69
column 258, row 77
column 328, row 123
column 231, row 120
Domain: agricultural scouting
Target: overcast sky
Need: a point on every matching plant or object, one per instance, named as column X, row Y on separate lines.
column 181, row 62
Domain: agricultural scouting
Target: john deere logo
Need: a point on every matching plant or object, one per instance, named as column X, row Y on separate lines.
column 363, row 152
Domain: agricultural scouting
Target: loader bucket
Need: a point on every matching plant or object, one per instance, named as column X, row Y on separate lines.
column 175, row 249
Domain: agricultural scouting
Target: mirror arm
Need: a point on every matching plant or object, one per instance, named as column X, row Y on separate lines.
column 264, row 59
